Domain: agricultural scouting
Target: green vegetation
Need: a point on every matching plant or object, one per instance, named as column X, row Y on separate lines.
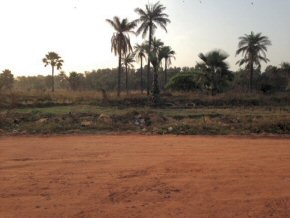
column 190, row 121
column 205, row 99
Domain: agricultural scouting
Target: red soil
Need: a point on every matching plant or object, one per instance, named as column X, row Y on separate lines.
column 144, row 176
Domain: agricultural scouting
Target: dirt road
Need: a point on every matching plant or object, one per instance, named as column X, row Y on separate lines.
column 144, row 176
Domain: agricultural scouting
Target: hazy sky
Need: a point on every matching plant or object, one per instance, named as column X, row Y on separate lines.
column 77, row 31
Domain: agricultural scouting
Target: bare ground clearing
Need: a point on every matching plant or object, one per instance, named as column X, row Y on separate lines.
column 144, row 176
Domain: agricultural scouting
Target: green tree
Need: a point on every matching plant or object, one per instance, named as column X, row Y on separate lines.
column 140, row 53
column 273, row 80
column 75, row 80
column 54, row 60
column 149, row 19
column 215, row 70
column 128, row 61
column 120, row 42
column 6, row 80
column 253, row 48
column 185, row 81
column 167, row 53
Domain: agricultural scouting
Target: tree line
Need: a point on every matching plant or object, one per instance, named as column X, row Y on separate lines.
column 211, row 74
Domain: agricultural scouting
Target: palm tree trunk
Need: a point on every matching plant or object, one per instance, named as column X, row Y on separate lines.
column 126, row 79
column 251, row 75
column 155, row 88
column 165, row 73
column 148, row 66
column 52, row 78
column 119, row 74
column 141, row 81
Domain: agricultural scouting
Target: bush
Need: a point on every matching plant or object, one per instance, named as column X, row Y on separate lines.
column 183, row 82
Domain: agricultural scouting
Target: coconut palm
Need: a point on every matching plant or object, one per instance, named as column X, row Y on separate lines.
column 128, row 61
column 54, row 60
column 150, row 18
column 167, row 53
column 140, row 53
column 253, row 48
column 215, row 70
column 121, row 41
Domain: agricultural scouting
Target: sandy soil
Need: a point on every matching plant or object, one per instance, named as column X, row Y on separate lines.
column 144, row 176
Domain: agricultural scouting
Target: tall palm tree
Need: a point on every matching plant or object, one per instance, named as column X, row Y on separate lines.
column 167, row 53
column 54, row 60
column 253, row 48
column 128, row 61
column 121, row 41
column 150, row 18
column 215, row 70
column 140, row 53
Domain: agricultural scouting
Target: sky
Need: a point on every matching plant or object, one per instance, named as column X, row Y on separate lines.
column 78, row 32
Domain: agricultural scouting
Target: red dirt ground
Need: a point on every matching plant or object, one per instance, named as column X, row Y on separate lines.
column 144, row 176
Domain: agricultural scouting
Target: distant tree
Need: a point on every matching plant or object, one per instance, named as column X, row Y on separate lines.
column 215, row 70
column 149, row 19
column 253, row 48
column 75, row 80
column 140, row 53
column 6, row 80
column 128, row 61
column 54, row 60
column 273, row 80
column 120, row 42
column 167, row 53
column 62, row 80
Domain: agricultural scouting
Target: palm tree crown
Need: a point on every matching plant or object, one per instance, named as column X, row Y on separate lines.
column 128, row 61
column 120, row 41
column 215, row 70
column 253, row 48
column 53, row 59
column 140, row 51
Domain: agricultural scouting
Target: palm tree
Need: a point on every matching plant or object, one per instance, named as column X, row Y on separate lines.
column 150, row 18
column 54, row 60
column 121, row 41
column 215, row 70
column 139, row 52
column 253, row 48
column 128, row 61
column 157, row 44
column 167, row 53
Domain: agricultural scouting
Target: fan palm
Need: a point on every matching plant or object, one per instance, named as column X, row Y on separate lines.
column 128, row 61
column 253, row 48
column 120, row 41
column 54, row 60
column 140, row 53
column 215, row 70
column 150, row 18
